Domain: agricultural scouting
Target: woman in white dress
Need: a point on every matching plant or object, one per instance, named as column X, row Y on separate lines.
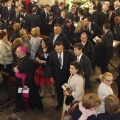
column 104, row 89
column 76, row 83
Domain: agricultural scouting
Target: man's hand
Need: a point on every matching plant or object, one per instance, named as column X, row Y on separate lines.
column 52, row 80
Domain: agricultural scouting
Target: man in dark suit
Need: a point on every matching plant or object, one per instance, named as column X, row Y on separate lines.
column 58, row 35
column 104, row 49
column 71, row 14
column 8, row 13
column 80, row 15
column 117, row 8
column 58, row 11
column 39, row 7
column 92, row 29
column 44, row 16
column 16, row 16
column 103, row 16
column 25, row 20
column 62, row 17
column 59, row 63
column 34, row 19
column 88, row 47
column 84, row 62
column 31, row 4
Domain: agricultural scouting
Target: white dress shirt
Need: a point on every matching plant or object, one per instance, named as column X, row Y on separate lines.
column 79, row 57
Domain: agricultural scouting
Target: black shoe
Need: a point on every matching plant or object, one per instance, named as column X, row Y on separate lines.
column 58, row 107
column 17, row 110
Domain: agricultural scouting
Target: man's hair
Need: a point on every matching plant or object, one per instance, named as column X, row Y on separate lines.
column 88, row 18
column 84, row 33
column 79, row 46
column 46, row 5
column 61, row 4
column 81, row 11
column 67, row 20
column 58, row 43
column 22, row 10
column 63, row 10
column 57, row 25
column 107, row 25
column 34, row 10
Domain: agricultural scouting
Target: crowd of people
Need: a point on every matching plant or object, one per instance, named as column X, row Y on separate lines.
column 67, row 54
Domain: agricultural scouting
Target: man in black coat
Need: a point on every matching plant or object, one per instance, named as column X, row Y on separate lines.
column 71, row 14
column 117, row 8
column 62, row 17
column 44, row 16
column 88, row 47
column 8, row 13
column 39, row 7
column 80, row 15
column 104, row 49
column 58, row 35
column 25, row 20
column 16, row 16
column 92, row 29
column 84, row 62
column 34, row 19
column 58, row 11
column 59, row 63
column 31, row 4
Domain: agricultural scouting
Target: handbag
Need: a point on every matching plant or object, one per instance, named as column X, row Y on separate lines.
column 67, row 114
column 46, row 72
column 69, row 100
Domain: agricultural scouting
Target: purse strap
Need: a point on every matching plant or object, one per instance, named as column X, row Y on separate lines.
column 72, row 108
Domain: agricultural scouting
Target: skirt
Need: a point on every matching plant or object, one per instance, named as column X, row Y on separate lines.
column 39, row 80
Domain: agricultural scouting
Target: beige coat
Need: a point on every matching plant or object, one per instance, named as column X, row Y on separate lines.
column 5, row 53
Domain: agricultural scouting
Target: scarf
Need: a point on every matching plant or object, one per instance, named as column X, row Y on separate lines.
column 85, row 112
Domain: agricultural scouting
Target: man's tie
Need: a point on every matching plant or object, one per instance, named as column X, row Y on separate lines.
column 55, row 37
column 60, row 60
column 77, row 59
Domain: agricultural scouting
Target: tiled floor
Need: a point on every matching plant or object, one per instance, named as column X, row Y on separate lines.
column 49, row 112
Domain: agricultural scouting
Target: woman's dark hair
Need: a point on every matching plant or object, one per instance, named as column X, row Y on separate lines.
column 2, row 34
column 47, row 43
column 77, row 67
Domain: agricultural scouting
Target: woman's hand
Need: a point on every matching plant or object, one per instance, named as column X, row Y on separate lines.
column 15, row 69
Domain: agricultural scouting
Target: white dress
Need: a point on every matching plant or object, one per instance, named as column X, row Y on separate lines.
column 103, row 91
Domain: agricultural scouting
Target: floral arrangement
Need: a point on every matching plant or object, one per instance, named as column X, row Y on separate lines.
column 87, row 5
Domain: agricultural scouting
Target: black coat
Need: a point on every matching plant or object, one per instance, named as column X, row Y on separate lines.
column 105, row 116
column 26, row 22
column 60, row 75
column 95, row 17
column 117, row 12
column 70, row 16
column 89, row 51
column 39, row 9
column 30, row 7
column 102, row 19
column 60, row 20
column 104, row 49
column 16, row 18
column 58, row 12
column 34, row 21
column 62, row 37
column 15, row 35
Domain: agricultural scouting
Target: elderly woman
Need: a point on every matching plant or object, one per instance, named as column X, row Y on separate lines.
column 112, row 109
column 104, row 89
column 26, row 40
column 86, row 109
column 6, row 58
column 16, row 31
column 35, row 41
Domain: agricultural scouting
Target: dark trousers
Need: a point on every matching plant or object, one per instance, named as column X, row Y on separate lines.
column 104, row 66
column 59, row 91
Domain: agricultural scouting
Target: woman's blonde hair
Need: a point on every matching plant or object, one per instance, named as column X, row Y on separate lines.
column 22, row 31
column 112, row 104
column 35, row 32
column 17, row 27
column 91, row 100
column 106, row 74
column 80, row 26
column 17, row 42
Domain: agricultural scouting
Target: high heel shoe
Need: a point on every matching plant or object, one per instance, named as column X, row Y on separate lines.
column 43, row 95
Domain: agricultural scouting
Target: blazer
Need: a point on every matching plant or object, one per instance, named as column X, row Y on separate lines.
column 86, row 65
column 60, row 75
column 61, row 37
column 76, row 82
column 117, row 12
column 60, row 20
column 106, row 116
column 30, row 6
column 89, row 51
column 16, row 19
column 34, row 21
column 95, row 17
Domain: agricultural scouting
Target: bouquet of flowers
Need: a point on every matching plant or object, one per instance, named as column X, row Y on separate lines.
column 87, row 5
